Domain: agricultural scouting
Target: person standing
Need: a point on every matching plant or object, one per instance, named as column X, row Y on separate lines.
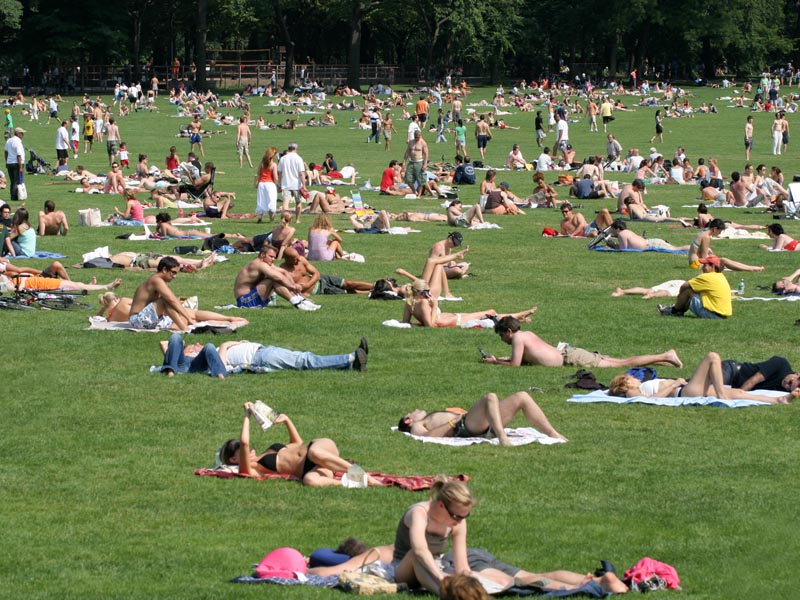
column 292, row 175
column 194, row 135
column 388, row 128
column 606, row 108
column 562, row 131
column 266, row 188
column 440, row 128
column 416, row 156
column 62, row 142
column 243, row 135
column 748, row 136
column 75, row 136
column 375, row 125
column 785, row 130
column 421, row 108
column 112, row 140
column 482, row 135
column 15, row 161
column 659, row 128
column 413, row 126
column 591, row 111
column 777, row 134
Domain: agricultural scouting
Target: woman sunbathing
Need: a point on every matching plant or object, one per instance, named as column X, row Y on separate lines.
column 425, row 309
column 780, row 241
column 315, row 463
column 707, row 380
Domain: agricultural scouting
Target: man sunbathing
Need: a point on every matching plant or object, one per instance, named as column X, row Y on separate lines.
column 487, row 414
column 150, row 260
column 259, row 278
column 52, row 221
column 527, row 348
column 155, row 306
column 629, row 240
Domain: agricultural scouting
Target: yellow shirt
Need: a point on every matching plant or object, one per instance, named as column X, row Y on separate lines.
column 715, row 292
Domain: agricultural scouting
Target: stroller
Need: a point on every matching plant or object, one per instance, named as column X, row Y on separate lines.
column 36, row 165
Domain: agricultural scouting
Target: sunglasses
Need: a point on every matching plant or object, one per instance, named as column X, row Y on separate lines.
column 454, row 516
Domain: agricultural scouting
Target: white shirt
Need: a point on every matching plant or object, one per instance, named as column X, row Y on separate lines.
column 62, row 138
column 544, row 162
column 290, row 166
column 563, row 129
column 76, row 131
column 15, row 149
column 412, row 127
column 242, row 355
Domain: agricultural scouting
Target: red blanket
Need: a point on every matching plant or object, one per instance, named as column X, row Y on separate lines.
column 412, row 483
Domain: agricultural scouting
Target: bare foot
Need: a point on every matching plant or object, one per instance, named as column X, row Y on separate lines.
column 617, row 292
column 672, row 357
column 208, row 260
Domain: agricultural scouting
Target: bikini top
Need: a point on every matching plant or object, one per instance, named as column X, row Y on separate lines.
column 270, row 460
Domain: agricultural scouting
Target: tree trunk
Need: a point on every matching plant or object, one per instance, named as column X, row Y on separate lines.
column 200, row 45
column 354, row 47
column 288, row 79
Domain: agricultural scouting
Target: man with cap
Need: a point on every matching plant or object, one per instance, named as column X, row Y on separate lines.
column 292, row 173
column 416, row 156
column 452, row 269
column 501, row 202
column 15, row 160
column 708, row 295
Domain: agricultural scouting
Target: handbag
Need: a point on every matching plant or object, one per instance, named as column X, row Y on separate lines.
column 304, row 192
column 366, row 584
column 22, row 191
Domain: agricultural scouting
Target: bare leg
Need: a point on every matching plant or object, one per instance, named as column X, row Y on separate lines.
column 207, row 315
column 72, row 286
column 57, row 269
column 489, row 411
column 603, row 219
column 475, row 213
column 522, row 316
column 737, row 266
column 668, row 358
column 634, row 291
column 336, row 247
column 357, row 286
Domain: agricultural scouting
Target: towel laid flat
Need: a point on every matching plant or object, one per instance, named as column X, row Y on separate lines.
column 39, row 254
column 604, row 396
column 412, row 483
column 789, row 298
column 520, row 436
column 485, row 225
column 99, row 323
column 607, row 249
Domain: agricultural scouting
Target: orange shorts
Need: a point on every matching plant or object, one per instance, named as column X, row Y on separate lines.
column 38, row 283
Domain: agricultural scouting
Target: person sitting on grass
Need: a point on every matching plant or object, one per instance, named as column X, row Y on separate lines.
column 21, row 240
column 501, row 201
column 320, row 247
column 314, row 464
column 420, row 305
column 155, row 305
column 527, row 348
column 708, row 295
column 118, row 309
column 260, row 278
column 311, row 281
column 701, row 248
column 217, row 205
column 706, row 381
column 487, row 415
column 457, row 218
column 52, row 221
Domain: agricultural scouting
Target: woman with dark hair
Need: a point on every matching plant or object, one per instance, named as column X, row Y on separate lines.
column 780, row 241
column 315, row 463
column 21, row 241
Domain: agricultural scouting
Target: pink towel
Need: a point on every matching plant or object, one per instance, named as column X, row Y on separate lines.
column 647, row 567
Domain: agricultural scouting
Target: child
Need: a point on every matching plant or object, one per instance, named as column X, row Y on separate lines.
column 123, row 156
column 75, row 136
column 88, row 133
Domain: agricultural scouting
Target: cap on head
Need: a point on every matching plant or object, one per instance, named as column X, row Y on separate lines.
column 504, row 185
column 19, row 130
column 456, row 237
column 711, row 260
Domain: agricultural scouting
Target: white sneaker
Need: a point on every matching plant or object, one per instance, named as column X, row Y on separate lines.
column 307, row 305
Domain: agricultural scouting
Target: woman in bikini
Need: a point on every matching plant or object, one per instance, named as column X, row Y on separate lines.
column 314, row 463
column 780, row 241
column 707, row 380
column 423, row 307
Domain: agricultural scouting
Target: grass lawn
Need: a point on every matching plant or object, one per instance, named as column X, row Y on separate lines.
column 98, row 491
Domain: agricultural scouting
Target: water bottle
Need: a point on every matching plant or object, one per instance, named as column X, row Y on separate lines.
column 740, row 292
column 356, row 477
column 180, row 213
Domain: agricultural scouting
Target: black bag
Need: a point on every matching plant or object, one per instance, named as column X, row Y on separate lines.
column 100, row 263
column 585, row 380
column 186, row 250
column 215, row 242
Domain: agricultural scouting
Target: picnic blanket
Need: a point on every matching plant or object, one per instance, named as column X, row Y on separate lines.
column 604, row 396
column 100, row 323
column 484, row 225
column 520, row 436
column 330, row 581
column 391, row 231
column 607, row 249
column 742, row 234
column 411, row 483
column 38, row 254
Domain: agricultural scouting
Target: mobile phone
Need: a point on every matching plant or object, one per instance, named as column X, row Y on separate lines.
column 483, row 353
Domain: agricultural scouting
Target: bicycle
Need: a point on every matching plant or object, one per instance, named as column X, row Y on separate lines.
column 24, row 299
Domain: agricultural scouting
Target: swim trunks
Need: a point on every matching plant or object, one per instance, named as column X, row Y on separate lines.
column 148, row 318
column 252, row 299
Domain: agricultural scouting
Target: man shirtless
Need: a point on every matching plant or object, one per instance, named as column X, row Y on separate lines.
column 150, row 260
column 155, row 306
column 637, row 212
column 482, row 135
column 417, row 156
column 259, row 278
column 573, row 224
column 306, row 275
column 115, row 182
column 243, row 141
column 629, row 240
column 634, row 191
column 52, row 221
column 194, row 128
column 527, row 348
column 487, row 415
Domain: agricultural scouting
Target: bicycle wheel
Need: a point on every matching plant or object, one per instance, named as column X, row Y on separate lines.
column 15, row 304
column 63, row 303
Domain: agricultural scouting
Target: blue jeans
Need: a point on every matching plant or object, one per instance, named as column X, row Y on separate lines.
column 207, row 361
column 277, row 359
column 696, row 306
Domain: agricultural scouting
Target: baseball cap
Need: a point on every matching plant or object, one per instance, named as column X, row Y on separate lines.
column 19, row 130
column 456, row 237
column 710, row 260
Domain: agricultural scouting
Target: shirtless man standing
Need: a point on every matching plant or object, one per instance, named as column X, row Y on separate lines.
column 154, row 305
column 417, row 156
column 482, row 135
column 748, row 136
column 527, row 348
column 52, row 221
column 112, row 141
column 242, row 141
column 259, row 278
column 388, row 129
column 194, row 135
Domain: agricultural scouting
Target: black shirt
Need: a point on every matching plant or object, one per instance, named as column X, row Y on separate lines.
column 774, row 370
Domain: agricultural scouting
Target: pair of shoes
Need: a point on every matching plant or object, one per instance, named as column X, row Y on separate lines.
column 363, row 345
column 306, row 304
column 668, row 310
column 360, row 360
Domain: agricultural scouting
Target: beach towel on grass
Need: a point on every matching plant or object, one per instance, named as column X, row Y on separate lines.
column 520, row 436
column 607, row 249
column 330, row 581
column 787, row 298
column 99, row 323
column 39, row 254
column 604, row 396
column 412, row 483
column 471, row 324
column 484, row 225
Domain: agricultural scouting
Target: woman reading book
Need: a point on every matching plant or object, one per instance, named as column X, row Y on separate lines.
column 314, row 464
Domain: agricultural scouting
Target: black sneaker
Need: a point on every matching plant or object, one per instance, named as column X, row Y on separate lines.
column 364, row 346
column 360, row 361
column 669, row 310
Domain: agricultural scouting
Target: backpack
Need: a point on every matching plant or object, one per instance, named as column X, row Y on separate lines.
column 585, row 380
column 642, row 373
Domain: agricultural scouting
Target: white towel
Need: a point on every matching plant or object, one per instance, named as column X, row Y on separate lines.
column 518, row 437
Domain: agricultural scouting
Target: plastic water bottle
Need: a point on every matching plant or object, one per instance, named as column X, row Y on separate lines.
column 355, row 477
column 740, row 292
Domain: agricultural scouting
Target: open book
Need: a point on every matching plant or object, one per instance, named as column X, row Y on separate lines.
column 263, row 414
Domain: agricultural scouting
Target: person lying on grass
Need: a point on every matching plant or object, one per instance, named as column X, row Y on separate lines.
column 119, row 310
column 527, row 348
column 150, row 260
column 314, row 464
column 423, row 307
column 707, row 380
column 51, row 284
column 489, row 414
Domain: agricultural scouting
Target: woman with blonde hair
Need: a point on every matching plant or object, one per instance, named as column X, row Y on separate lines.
column 283, row 234
column 267, row 185
column 320, row 246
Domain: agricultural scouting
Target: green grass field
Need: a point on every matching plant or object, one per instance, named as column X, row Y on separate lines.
column 98, row 491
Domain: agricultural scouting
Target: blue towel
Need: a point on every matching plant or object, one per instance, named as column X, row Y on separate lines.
column 39, row 254
column 313, row 580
